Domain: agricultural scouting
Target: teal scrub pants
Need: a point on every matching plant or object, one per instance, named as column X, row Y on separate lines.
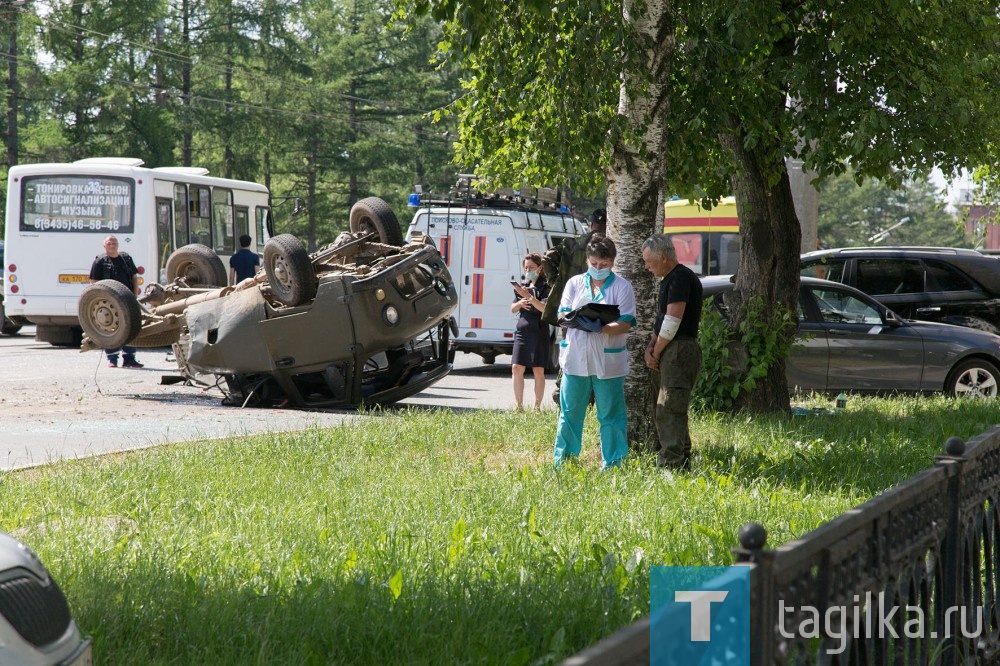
column 574, row 397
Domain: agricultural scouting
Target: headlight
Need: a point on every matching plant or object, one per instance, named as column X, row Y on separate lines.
column 391, row 315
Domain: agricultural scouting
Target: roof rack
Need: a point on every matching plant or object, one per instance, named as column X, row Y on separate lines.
column 465, row 193
column 909, row 248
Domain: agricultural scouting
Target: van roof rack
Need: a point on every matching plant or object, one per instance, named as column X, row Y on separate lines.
column 465, row 193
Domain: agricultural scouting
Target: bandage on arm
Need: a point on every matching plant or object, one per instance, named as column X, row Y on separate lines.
column 668, row 329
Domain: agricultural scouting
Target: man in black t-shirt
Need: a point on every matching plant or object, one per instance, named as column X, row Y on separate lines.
column 244, row 263
column 115, row 265
column 673, row 353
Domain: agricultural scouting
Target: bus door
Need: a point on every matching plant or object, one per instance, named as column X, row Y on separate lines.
column 164, row 235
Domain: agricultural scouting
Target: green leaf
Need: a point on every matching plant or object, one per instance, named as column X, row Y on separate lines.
column 396, row 584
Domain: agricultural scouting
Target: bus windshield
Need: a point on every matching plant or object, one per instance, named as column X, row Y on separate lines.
column 86, row 204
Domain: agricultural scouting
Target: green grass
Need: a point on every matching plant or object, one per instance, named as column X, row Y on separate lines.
column 429, row 537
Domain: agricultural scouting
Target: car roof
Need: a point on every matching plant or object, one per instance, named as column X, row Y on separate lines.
column 983, row 268
column 716, row 284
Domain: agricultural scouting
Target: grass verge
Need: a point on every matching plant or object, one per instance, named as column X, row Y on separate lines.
column 429, row 537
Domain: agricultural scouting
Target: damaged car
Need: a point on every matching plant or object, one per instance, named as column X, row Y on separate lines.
column 365, row 320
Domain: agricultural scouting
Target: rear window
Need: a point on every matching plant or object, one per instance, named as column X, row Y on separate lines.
column 942, row 277
column 77, row 204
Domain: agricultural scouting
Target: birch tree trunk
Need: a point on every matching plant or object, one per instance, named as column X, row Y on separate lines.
column 635, row 180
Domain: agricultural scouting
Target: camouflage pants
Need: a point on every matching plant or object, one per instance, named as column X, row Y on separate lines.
column 672, row 385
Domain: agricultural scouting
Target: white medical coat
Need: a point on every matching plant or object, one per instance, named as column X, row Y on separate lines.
column 596, row 354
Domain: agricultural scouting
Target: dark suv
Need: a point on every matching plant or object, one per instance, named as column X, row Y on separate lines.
column 947, row 285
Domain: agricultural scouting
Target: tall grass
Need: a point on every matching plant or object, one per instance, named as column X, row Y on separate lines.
column 429, row 537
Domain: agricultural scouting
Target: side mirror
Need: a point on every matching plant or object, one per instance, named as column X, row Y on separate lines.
column 892, row 320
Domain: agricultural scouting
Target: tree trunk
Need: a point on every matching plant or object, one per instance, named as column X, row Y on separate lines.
column 635, row 201
column 769, row 237
column 12, row 86
column 186, row 133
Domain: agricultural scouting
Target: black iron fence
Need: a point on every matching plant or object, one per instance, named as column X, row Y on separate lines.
column 910, row 577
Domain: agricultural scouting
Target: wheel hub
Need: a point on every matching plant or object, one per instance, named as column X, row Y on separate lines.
column 105, row 316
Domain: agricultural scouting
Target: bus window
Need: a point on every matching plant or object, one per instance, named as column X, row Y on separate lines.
column 263, row 227
column 688, row 249
column 200, row 214
column 729, row 253
column 222, row 220
column 180, row 214
column 92, row 204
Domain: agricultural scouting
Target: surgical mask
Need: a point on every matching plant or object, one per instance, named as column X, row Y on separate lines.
column 530, row 276
column 598, row 273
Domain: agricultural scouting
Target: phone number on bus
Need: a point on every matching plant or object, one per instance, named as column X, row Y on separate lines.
column 48, row 224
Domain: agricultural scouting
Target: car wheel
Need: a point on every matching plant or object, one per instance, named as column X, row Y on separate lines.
column 109, row 314
column 374, row 214
column 975, row 378
column 198, row 265
column 289, row 270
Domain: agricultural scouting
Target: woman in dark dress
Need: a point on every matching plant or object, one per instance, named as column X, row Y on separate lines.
column 531, row 338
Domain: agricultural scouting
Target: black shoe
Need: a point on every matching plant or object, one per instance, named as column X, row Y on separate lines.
column 131, row 363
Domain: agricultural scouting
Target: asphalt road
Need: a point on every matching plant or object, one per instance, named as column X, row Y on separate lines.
column 58, row 403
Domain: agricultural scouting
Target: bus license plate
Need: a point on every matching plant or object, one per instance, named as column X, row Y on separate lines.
column 71, row 278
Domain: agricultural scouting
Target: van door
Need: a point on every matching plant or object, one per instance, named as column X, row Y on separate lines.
column 485, row 280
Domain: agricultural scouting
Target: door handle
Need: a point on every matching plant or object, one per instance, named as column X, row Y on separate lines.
column 930, row 310
column 466, row 279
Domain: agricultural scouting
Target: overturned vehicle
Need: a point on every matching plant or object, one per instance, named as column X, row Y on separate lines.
column 365, row 320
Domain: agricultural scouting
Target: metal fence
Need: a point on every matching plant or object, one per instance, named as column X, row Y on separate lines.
column 928, row 548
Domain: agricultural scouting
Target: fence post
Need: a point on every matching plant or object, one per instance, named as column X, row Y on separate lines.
column 753, row 538
column 952, row 552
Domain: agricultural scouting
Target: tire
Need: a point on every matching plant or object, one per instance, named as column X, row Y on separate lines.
column 109, row 314
column 373, row 214
column 7, row 326
column 975, row 378
column 198, row 265
column 289, row 270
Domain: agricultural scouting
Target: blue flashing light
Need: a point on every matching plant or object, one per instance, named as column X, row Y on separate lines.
column 414, row 201
column 564, row 209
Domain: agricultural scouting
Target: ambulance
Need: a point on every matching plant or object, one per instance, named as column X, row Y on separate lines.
column 483, row 238
column 706, row 241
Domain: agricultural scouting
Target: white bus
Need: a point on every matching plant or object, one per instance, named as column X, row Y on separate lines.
column 59, row 214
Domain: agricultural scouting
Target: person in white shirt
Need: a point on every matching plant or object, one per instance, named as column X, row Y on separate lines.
column 595, row 361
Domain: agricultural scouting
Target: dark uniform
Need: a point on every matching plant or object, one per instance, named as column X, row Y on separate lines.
column 678, row 367
column 121, row 269
column 532, row 335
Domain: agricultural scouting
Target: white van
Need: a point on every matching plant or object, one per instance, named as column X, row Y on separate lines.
column 483, row 239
